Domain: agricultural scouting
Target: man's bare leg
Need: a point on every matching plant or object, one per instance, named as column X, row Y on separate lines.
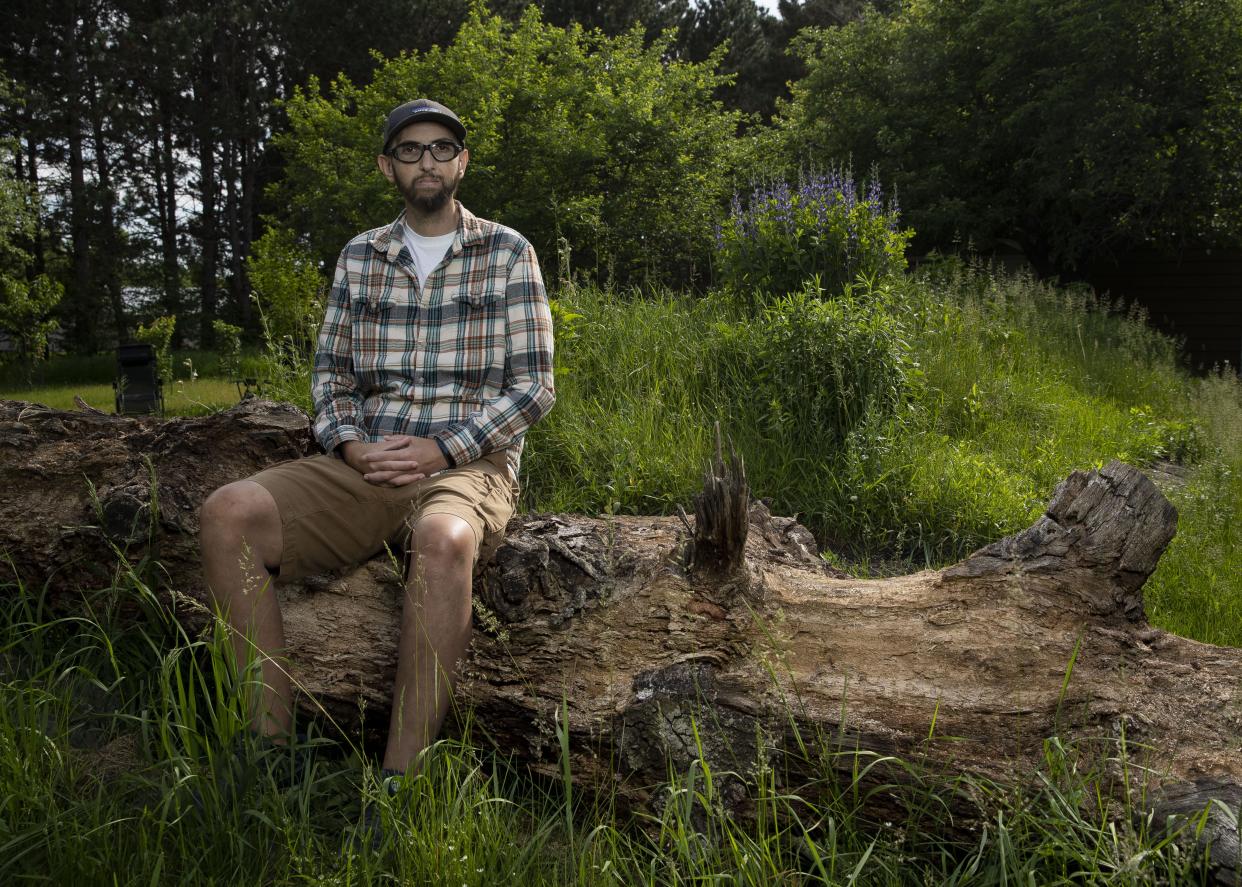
column 240, row 536
column 435, row 632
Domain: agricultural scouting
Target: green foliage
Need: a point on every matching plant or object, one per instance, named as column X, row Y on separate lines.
column 158, row 334
column 228, row 345
column 1194, row 591
column 824, row 228
column 820, row 368
column 25, row 311
column 1070, row 129
column 600, row 140
column 26, row 301
column 916, row 419
column 629, row 433
column 287, row 289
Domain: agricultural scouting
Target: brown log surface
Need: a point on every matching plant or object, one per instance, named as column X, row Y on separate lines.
column 964, row 670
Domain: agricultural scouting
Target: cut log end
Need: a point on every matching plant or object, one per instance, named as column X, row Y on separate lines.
column 1098, row 541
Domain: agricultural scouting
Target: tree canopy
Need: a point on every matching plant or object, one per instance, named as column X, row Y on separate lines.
column 1069, row 128
column 579, row 140
column 159, row 134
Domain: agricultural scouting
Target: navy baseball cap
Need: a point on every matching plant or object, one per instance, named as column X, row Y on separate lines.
column 420, row 110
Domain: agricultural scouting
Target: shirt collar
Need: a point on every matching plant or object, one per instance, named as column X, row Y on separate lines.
column 389, row 240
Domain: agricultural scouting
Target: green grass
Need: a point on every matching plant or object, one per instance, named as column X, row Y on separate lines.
column 100, row 369
column 1008, row 386
column 198, row 387
column 182, row 398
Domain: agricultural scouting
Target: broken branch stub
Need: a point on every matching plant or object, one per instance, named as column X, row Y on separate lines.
column 721, row 514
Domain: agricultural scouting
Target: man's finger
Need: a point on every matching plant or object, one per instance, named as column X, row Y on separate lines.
column 381, row 452
column 404, row 479
column 392, row 478
column 395, row 465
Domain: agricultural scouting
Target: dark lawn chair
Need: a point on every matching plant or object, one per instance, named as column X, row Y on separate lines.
column 249, row 387
column 138, row 386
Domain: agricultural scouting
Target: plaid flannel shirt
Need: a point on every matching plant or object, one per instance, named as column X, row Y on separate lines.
column 466, row 360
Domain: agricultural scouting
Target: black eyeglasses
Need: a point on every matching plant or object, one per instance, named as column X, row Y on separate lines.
column 412, row 152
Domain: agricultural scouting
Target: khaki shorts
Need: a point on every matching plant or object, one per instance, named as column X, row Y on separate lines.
column 330, row 517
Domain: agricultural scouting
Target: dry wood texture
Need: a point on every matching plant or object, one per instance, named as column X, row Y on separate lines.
column 966, row 670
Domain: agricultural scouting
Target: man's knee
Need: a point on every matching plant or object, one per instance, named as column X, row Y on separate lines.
column 243, row 510
column 444, row 539
column 241, row 503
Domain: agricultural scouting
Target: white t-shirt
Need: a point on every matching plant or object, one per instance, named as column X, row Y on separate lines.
column 428, row 252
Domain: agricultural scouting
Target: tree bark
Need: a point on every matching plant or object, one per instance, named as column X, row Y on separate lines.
column 778, row 661
column 109, row 266
column 84, row 297
column 164, row 165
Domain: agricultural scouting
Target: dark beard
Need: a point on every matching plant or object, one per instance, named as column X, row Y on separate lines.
column 428, row 203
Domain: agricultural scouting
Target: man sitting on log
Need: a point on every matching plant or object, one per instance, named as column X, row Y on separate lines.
column 434, row 358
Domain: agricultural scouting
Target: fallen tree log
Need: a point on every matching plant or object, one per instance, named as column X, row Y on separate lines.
column 638, row 629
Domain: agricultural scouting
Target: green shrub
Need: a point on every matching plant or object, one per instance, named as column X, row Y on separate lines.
column 819, row 367
column 158, row 334
column 25, row 311
column 288, row 291
column 228, row 344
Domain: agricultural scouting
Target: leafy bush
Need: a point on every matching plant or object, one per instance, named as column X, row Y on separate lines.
column 158, row 334
column 25, row 311
column 819, row 367
column 228, row 344
column 603, row 141
column 287, row 290
column 827, row 227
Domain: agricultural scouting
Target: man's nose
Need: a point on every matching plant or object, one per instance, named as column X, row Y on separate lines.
column 427, row 162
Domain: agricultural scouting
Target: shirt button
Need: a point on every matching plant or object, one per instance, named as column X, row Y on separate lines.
column 421, row 380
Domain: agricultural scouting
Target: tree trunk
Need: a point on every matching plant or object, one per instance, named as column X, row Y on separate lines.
column 111, row 258
column 658, row 654
column 32, row 177
column 209, row 235
column 84, row 301
column 166, row 191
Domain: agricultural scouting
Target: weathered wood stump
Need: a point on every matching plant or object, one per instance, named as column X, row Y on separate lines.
column 966, row 670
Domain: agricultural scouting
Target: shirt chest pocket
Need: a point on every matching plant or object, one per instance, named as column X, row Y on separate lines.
column 472, row 338
column 372, row 325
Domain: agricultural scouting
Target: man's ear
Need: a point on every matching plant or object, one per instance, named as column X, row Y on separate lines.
column 384, row 162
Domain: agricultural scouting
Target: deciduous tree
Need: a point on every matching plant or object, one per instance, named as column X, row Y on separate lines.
column 1069, row 128
column 599, row 143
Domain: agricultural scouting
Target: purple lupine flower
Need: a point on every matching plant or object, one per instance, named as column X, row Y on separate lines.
column 874, row 198
column 783, row 206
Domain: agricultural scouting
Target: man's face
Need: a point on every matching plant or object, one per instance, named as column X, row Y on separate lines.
column 428, row 184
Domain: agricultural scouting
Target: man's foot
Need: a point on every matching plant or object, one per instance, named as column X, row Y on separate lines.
column 371, row 833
